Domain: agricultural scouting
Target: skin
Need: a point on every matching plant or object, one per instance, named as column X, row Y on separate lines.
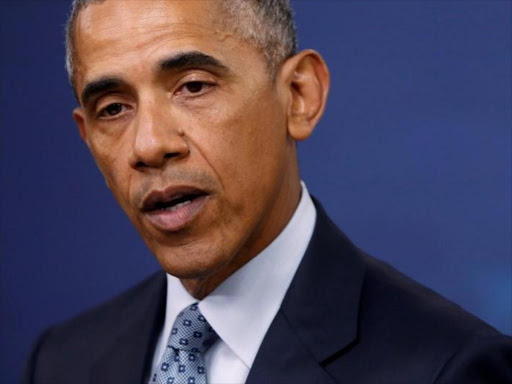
column 229, row 131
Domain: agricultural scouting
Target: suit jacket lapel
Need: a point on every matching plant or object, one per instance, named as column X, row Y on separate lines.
column 283, row 359
column 317, row 319
column 128, row 359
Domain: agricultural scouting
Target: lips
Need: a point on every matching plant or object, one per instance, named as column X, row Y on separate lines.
column 173, row 208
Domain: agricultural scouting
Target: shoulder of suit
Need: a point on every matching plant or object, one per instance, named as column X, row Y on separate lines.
column 414, row 304
column 413, row 320
column 97, row 323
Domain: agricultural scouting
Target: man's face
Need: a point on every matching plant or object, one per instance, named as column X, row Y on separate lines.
column 188, row 130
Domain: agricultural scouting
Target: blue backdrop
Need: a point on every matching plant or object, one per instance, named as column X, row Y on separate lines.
column 412, row 159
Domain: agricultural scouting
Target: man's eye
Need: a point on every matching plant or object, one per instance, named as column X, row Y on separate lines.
column 111, row 110
column 195, row 87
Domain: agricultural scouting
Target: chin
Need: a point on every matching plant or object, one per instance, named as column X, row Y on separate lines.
column 187, row 263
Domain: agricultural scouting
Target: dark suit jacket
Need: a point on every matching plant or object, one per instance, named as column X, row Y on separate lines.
column 346, row 318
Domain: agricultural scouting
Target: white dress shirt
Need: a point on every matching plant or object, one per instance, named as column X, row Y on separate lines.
column 241, row 309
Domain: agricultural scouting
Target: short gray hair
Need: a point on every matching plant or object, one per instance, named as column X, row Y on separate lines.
column 268, row 24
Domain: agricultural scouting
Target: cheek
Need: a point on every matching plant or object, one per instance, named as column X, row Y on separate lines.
column 245, row 143
column 112, row 161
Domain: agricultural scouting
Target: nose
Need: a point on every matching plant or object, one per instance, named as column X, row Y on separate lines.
column 158, row 139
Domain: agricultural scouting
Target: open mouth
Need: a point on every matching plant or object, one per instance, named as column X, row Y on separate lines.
column 175, row 203
column 171, row 199
column 173, row 208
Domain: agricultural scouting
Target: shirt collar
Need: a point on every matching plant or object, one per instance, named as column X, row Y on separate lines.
column 242, row 308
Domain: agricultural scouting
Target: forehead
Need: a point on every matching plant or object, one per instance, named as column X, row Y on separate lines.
column 140, row 16
column 115, row 33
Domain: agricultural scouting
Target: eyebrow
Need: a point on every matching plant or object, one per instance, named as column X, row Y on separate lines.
column 99, row 86
column 192, row 59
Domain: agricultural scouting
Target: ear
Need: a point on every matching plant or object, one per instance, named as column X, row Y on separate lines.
column 79, row 117
column 307, row 80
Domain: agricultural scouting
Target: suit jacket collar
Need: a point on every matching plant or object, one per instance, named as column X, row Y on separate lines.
column 128, row 358
column 319, row 315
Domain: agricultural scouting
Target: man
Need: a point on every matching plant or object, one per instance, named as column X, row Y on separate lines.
column 192, row 111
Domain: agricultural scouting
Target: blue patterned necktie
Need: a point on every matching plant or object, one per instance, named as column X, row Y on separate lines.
column 182, row 361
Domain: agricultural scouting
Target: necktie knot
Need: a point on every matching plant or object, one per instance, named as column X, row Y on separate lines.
column 191, row 332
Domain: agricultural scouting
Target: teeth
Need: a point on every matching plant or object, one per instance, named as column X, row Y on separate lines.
column 177, row 206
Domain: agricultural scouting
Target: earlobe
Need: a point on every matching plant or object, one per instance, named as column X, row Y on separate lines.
column 308, row 84
column 78, row 116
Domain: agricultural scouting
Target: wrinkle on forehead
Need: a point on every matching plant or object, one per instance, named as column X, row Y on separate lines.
column 204, row 12
column 141, row 39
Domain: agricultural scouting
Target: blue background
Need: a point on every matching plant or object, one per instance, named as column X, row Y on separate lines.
column 412, row 159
